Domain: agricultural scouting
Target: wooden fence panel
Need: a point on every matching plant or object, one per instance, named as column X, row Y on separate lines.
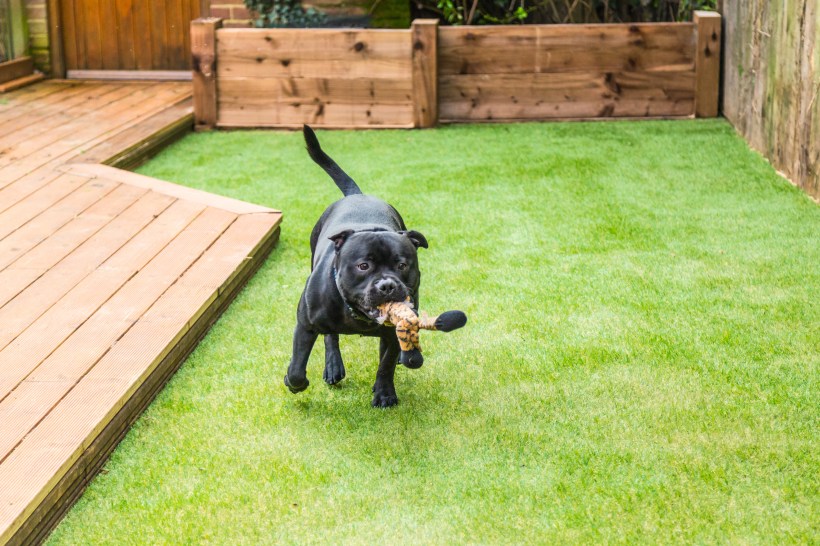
column 771, row 81
column 566, row 71
column 328, row 77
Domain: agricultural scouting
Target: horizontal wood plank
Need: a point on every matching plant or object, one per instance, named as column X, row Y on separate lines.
column 327, row 115
column 313, row 53
column 261, row 91
column 566, row 48
column 563, row 95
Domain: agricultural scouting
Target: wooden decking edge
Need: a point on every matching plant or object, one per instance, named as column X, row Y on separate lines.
column 142, row 151
column 161, row 186
column 57, row 502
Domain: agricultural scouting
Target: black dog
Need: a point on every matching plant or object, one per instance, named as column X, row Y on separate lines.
column 362, row 256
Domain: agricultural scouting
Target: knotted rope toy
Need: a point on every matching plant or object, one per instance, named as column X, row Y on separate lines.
column 408, row 323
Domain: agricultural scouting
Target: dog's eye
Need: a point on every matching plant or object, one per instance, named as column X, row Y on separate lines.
column 402, row 266
column 364, row 266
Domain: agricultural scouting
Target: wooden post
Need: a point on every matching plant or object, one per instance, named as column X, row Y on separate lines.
column 707, row 63
column 203, row 50
column 424, row 33
column 55, row 39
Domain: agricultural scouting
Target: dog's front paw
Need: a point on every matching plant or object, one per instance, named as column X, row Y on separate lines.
column 296, row 385
column 384, row 398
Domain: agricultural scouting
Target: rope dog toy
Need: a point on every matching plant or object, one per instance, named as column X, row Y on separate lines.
column 407, row 322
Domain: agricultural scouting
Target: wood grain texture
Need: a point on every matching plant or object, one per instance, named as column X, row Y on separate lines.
column 113, row 394
column 358, row 78
column 771, row 78
column 107, row 281
column 509, row 97
column 568, row 48
column 325, row 77
column 707, row 63
column 313, row 53
column 566, row 71
column 203, row 53
column 17, row 68
column 126, row 34
column 424, row 36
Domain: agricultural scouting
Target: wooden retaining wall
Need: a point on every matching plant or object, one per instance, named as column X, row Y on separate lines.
column 347, row 78
column 772, row 83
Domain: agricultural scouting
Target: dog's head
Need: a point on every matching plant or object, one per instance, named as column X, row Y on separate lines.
column 374, row 267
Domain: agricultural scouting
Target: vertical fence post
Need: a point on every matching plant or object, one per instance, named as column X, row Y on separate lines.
column 203, row 50
column 424, row 33
column 707, row 63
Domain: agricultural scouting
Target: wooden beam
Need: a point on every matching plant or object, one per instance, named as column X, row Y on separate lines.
column 707, row 63
column 18, row 68
column 425, row 72
column 203, row 49
column 130, row 75
column 55, row 40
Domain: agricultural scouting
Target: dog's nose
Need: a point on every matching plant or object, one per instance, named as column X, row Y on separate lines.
column 386, row 286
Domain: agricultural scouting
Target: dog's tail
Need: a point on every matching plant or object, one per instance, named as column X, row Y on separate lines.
column 343, row 181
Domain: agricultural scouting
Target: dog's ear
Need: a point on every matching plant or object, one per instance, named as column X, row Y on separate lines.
column 416, row 238
column 340, row 238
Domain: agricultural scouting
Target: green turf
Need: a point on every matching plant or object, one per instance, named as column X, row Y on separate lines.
column 640, row 364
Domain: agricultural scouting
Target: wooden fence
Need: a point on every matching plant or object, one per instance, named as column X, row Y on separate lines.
column 346, row 78
column 772, row 83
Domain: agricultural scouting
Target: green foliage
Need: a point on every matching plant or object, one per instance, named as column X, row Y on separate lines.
column 463, row 12
column 640, row 365
column 284, row 14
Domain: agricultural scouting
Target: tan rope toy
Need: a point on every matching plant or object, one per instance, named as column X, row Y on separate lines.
column 407, row 322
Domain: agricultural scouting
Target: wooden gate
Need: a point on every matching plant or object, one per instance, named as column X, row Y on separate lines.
column 127, row 35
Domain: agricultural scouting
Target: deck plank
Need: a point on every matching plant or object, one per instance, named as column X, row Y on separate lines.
column 29, row 97
column 23, row 122
column 37, row 202
column 51, row 220
column 54, row 268
column 107, row 281
column 58, row 373
column 54, row 445
column 118, row 110
column 21, row 355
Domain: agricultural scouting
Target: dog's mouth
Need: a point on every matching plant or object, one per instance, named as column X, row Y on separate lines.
column 369, row 305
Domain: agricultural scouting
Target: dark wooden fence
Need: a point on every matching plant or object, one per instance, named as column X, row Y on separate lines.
column 347, row 78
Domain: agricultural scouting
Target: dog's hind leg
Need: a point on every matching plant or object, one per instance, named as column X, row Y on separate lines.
column 384, row 391
column 303, row 340
column 334, row 367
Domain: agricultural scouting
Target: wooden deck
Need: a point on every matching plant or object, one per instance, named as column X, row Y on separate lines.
column 107, row 281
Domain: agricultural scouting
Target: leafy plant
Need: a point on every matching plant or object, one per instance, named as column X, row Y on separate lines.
column 284, row 14
column 467, row 12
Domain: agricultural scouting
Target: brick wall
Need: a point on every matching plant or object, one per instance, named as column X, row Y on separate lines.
column 233, row 13
column 36, row 13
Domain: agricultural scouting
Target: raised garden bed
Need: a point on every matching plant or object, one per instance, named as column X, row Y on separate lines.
column 417, row 77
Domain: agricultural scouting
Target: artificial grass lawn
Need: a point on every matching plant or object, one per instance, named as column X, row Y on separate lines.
column 640, row 363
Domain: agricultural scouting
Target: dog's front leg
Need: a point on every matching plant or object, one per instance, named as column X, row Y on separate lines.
column 384, row 391
column 303, row 340
column 334, row 367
